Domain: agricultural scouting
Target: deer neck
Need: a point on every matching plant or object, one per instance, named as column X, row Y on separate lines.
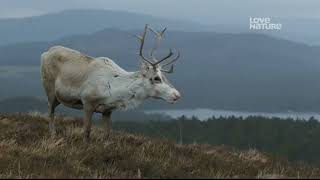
column 130, row 91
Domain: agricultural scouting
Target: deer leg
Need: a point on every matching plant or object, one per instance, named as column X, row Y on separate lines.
column 88, row 112
column 51, row 109
column 106, row 121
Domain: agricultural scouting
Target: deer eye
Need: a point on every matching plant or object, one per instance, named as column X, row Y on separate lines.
column 157, row 79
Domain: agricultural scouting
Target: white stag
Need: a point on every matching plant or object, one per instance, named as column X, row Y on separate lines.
column 100, row 85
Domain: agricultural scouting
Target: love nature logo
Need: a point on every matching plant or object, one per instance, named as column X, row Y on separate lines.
column 257, row 23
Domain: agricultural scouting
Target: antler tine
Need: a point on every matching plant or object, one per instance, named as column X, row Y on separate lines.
column 159, row 36
column 168, row 71
column 142, row 39
column 172, row 61
column 166, row 57
column 162, row 32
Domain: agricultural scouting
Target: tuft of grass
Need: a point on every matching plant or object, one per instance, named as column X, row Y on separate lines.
column 27, row 151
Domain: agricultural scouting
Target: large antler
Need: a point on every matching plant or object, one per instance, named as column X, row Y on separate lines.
column 172, row 61
column 154, row 61
column 159, row 37
column 142, row 39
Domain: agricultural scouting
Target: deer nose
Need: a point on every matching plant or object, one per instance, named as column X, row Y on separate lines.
column 176, row 96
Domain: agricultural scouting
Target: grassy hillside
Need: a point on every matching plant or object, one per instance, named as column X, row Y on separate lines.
column 27, row 151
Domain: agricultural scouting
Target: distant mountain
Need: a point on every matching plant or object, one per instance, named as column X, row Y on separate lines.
column 71, row 22
column 53, row 26
column 304, row 30
column 245, row 71
column 299, row 29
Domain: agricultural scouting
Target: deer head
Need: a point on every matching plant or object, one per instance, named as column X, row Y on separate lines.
column 152, row 70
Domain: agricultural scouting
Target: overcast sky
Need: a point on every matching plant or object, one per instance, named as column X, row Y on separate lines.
column 204, row 11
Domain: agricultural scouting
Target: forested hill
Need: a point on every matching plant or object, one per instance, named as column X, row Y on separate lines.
column 296, row 140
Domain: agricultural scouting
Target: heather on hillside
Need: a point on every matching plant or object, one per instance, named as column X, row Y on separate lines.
column 27, row 151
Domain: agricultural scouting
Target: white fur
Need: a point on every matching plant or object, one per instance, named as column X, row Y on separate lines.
column 104, row 81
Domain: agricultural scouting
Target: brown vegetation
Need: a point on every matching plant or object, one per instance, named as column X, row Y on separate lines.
column 27, row 151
